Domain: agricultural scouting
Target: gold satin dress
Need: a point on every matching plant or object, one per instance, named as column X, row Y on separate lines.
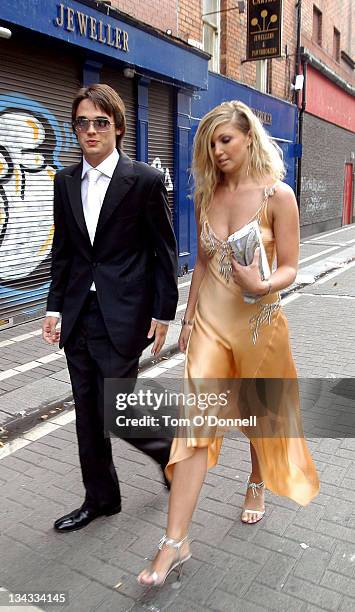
column 231, row 339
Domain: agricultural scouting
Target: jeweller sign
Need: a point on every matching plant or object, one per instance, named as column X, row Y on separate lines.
column 87, row 26
column 264, row 28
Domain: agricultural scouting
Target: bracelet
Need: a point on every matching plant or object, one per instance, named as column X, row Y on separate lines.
column 188, row 322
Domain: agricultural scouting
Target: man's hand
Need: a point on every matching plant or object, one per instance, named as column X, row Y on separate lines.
column 49, row 332
column 160, row 330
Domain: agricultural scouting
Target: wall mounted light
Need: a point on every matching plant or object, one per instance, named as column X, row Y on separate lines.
column 5, row 33
column 129, row 72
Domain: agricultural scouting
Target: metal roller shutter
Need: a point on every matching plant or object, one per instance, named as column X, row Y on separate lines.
column 126, row 89
column 161, row 134
column 37, row 86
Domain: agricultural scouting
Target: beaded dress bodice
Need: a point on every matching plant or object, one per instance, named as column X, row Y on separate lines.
column 214, row 246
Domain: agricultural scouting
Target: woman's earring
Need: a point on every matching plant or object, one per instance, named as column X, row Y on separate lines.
column 248, row 166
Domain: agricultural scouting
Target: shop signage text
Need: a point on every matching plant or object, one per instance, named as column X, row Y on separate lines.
column 264, row 26
column 264, row 116
column 87, row 26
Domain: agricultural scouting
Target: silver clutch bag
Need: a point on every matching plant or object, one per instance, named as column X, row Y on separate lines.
column 243, row 244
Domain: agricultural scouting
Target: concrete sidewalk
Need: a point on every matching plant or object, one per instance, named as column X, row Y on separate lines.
column 34, row 382
column 295, row 559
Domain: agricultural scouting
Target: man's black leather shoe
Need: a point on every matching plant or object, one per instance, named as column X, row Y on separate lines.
column 77, row 519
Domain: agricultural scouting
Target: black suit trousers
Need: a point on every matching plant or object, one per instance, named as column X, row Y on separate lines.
column 91, row 358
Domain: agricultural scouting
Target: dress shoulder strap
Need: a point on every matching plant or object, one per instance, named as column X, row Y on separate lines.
column 268, row 193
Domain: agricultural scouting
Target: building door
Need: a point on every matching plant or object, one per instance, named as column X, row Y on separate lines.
column 348, row 194
column 37, row 85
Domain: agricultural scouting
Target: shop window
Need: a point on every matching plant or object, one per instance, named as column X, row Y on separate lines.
column 211, row 31
column 336, row 45
column 317, row 26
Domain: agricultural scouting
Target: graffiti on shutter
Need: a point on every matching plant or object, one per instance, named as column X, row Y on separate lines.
column 156, row 163
column 31, row 142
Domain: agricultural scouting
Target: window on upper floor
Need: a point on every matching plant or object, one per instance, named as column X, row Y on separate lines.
column 317, row 25
column 336, row 45
column 262, row 75
column 211, row 31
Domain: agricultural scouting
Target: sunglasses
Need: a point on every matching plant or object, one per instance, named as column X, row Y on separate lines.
column 101, row 124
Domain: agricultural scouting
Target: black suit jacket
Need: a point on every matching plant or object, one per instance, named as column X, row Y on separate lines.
column 133, row 260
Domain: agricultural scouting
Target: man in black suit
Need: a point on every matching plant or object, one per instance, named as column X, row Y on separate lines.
column 113, row 281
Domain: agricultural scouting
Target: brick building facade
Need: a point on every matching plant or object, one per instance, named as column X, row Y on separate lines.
column 327, row 117
column 185, row 20
column 280, row 71
column 182, row 17
column 327, row 44
column 335, row 15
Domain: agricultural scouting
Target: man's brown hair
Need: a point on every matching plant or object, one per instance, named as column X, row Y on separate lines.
column 106, row 98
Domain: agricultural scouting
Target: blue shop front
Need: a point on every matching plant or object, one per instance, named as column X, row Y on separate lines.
column 55, row 48
column 278, row 117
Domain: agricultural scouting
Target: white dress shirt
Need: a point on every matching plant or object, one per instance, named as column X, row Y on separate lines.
column 106, row 169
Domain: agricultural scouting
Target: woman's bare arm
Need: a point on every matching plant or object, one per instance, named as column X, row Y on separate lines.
column 287, row 237
column 197, row 276
column 285, row 221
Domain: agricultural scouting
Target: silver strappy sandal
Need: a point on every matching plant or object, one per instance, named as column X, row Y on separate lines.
column 255, row 490
column 177, row 562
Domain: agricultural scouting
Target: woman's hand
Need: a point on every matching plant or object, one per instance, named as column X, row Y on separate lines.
column 184, row 337
column 248, row 277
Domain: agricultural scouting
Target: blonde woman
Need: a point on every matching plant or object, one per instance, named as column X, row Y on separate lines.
column 238, row 178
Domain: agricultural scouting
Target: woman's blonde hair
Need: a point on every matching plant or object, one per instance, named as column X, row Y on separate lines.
column 264, row 155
